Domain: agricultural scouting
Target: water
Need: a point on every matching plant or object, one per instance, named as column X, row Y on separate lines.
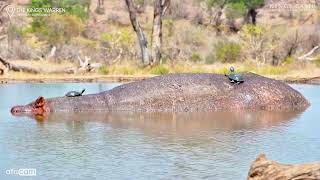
column 150, row 146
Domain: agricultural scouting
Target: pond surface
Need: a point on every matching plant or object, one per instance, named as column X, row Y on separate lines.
column 153, row 145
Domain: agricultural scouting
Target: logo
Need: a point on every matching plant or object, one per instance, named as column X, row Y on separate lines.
column 3, row 7
column 10, row 10
column 22, row 172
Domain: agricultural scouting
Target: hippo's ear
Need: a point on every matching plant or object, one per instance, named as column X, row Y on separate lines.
column 40, row 102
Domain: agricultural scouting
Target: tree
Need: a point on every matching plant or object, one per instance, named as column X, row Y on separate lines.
column 245, row 8
column 100, row 7
column 252, row 6
column 160, row 7
column 143, row 42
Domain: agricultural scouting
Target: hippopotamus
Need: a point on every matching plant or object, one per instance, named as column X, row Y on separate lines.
column 184, row 92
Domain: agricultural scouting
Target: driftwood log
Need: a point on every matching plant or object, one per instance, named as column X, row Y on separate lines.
column 19, row 68
column 264, row 169
column 84, row 67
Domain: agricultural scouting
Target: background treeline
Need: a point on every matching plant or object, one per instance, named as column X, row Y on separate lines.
column 193, row 32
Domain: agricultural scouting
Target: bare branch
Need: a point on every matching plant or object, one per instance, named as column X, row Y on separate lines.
column 306, row 56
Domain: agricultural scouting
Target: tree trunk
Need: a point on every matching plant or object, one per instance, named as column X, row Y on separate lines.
column 160, row 7
column 156, row 33
column 252, row 15
column 143, row 42
column 263, row 169
column 100, row 7
column 18, row 68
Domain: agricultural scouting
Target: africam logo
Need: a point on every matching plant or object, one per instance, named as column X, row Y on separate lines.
column 5, row 6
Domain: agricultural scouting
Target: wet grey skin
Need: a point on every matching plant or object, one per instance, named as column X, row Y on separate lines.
column 75, row 93
column 179, row 93
column 235, row 77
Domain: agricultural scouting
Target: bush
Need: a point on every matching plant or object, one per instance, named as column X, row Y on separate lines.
column 288, row 60
column 178, row 9
column 123, row 37
column 236, row 10
column 228, row 52
column 159, row 70
column 317, row 62
column 210, row 58
column 77, row 8
column 139, row 2
column 169, row 27
column 103, row 70
column 195, row 57
column 58, row 28
column 253, row 30
column 126, row 70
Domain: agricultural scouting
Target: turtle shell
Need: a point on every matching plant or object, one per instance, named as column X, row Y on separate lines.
column 73, row 94
column 235, row 77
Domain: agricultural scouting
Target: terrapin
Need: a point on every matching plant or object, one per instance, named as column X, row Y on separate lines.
column 234, row 77
column 75, row 93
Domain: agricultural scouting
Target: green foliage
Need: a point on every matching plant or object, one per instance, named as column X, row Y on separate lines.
column 195, row 57
column 215, row 3
column 126, row 70
column 236, row 10
column 85, row 42
column 317, row 62
column 253, row 30
column 58, row 28
column 103, row 70
column 41, row 3
column 210, row 58
column 237, row 6
column 228, row 52
column 272, row 70
column 253, row 4
column 139, row 2
column 288, row 60
column 76, row 8
column 123, row 37
column 159, row 70
column 169, row 25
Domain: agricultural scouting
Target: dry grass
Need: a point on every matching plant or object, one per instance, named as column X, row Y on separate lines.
column 45, row 65
column 129, row 71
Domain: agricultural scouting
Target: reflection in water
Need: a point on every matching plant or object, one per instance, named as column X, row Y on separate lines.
column 124, row 145
column 177, row 122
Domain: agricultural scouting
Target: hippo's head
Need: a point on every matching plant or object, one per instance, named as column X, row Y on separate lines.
column 36, row 108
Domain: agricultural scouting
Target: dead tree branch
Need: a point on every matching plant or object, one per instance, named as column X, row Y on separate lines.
column 307, row 55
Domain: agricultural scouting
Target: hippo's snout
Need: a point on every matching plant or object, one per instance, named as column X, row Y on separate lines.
column 17, row 110
column 35, row 108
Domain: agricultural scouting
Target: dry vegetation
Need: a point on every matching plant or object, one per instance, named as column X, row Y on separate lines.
column 196, row 38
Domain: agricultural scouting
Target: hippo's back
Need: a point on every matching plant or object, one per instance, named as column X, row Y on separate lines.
column 205, row 92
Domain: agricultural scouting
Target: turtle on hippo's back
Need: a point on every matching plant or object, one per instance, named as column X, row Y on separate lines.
column 75, row 93
column 234, row 77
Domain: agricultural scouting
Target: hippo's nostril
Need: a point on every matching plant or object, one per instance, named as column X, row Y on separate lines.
column 15, row 110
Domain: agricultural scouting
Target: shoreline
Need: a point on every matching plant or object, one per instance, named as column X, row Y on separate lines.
column 122, row 78
column 73, row 79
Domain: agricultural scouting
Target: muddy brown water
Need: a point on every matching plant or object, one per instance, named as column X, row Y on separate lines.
column 124, row 145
